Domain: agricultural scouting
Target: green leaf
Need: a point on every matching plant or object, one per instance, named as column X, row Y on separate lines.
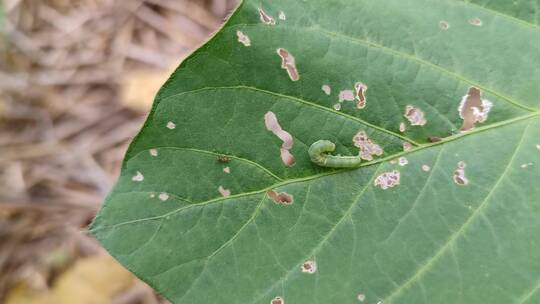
column 202, row 210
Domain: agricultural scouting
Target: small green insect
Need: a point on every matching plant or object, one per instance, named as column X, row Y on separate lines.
column 319, row 154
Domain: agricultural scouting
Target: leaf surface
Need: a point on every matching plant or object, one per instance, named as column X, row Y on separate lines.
column 193, row 212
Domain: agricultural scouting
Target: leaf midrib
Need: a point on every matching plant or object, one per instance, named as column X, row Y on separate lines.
column 316, row 176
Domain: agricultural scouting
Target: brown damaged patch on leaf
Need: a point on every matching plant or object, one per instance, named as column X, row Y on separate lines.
column 309, row 267
column 459, row 174
column 277, row 300
column 288, row 63
column 444, row 25
column 224, row 192
column 367, row 147
column 415, row 116
column 281, row 198
column 243, row 38
column 473, row 109
column 272, row 125
column 475, row 21
column 388, row 179
column 265, row 18
column 360, row 94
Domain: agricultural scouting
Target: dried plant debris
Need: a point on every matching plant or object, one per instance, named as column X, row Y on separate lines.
column 475, row 21
column 243, row 38
column 265, row 18
column 367, row 147
column 277, row 300
column 326, row 89
column 387, row 179
column 415, row 116
column 224, row 192
column 360, row 94
column 459, row 174
column 309, row 267
column 281, row 198
column 272, row 124
column 288, row 63
column 473, row 109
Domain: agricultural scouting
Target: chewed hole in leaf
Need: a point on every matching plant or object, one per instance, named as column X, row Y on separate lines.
column 326, row 89
column 309, row 267
column 272, row 125
column 402, row 127
column 227, row 170
column 138, row 177
column 153, row 152
column 425, row 168
column 243, row 38
column 163, row 196
column 367, row 147
column 282, row 16
column 475, row 21
column 388, row 179
column 346, row 95
column 171, row 125
column 265, row 18
column 473, row 109
column 361, row 297
column 281, row 198
column 459, row 174
column 444, row 25
column 288, row 63
column 402, row 161
column 277, row 300
column 224, row 192
column 415, row 116
column 360, row 94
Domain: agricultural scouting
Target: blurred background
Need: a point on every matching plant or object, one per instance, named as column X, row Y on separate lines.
column 77, row 78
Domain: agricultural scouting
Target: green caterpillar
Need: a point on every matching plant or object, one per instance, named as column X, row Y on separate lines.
column 319, row 154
